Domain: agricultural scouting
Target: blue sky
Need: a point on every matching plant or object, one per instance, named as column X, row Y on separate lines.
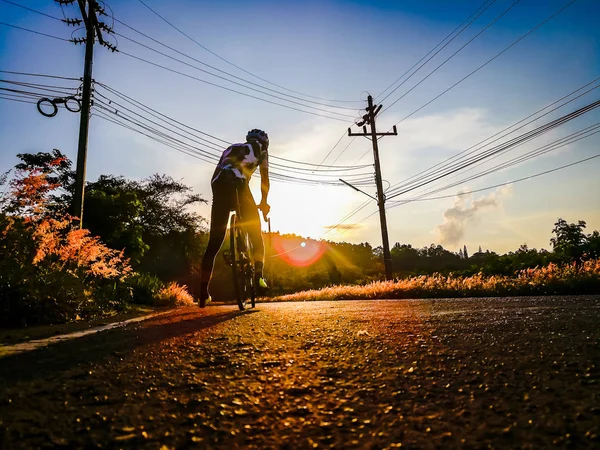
column 338, row 50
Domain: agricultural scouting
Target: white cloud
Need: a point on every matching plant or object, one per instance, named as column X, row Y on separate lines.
column 464, row 212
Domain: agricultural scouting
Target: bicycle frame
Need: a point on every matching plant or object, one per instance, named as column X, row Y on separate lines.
column 242, row 254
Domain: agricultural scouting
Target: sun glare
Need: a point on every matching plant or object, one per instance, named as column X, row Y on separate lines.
column 296, row 252
column 307, row 211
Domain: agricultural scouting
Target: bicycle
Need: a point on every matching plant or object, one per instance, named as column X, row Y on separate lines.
column 240, row 257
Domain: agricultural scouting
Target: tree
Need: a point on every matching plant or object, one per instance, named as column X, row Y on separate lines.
column 150, row 219
column 592, row 245
column 405, row 258
column 56, row 168
column 569, row 242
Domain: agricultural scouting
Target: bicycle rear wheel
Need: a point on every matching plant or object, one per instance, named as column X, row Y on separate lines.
column 241, row 265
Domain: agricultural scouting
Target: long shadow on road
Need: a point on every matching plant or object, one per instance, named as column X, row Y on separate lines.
column 48, row 362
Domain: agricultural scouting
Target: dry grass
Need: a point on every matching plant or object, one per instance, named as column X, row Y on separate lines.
column 552, row 279
column 174, row 295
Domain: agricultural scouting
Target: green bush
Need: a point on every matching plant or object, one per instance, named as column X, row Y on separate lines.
column 145, row 288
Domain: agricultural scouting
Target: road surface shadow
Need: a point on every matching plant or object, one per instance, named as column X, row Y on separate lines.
column 48, row 362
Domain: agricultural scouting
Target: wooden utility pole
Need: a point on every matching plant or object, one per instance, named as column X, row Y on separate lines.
column 369, row 119
column 93, row 29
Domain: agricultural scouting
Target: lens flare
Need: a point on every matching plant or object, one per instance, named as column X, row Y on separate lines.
column 297, row 252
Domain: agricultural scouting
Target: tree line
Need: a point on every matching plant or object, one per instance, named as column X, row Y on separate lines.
column 154, row 225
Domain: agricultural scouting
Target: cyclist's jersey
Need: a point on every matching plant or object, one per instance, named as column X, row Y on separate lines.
column 241, row 160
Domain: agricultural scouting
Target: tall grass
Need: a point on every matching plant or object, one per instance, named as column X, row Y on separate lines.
column 582, row 278
column 174, row 295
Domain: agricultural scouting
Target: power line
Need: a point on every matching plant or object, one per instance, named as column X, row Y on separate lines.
column 238, row 67
column 483, row 189
column 41, row 75
column 228, row 89
column 194, row 150
column 584, row 133
column 501, row 134
column 14, row 98
column 480, row 67
column 239, row 84
column 449, row 58
column 555, row 145
column 33, row 31
column 32, row 10
column 213, row 67
column 453, row 54
column 500, row 184
column 504, row 147
column 445, row 61
column 440, row 43
column 153, row 112
column 488, row 61
column 107, row 104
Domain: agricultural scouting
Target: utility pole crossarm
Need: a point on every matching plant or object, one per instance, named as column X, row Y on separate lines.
column 365, row 133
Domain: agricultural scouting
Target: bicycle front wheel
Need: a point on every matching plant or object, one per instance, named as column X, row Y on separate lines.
column 239, row 261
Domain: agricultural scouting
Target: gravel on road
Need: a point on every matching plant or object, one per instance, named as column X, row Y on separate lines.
column 418, row 374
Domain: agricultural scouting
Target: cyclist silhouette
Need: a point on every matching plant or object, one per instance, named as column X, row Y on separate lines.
column 232, row 174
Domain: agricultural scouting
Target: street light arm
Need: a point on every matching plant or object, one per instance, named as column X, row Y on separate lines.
column 357, row 189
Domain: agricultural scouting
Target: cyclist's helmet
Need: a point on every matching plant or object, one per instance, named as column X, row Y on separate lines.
column 260, row 136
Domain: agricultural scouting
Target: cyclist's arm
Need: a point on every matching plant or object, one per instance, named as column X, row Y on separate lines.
column 264, row 184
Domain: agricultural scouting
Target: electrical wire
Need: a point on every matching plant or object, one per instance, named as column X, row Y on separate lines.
column 440, row 43
column 226, row 88
column 477, row 14
column 40, row 75
column 556, row 145
column 195, row 150
column 499, row 184
column 583, row 133
column 478, row 68
column 447, row 59
column 215, row 68
column 503, row 133
column 364, row 219
column 502, row 147
column 235, row 82
column 216, row 152
column 236, row 66
column 32, row 10
column 487, row 62
column 453, row 54
column 33, row 31
column 187, row 128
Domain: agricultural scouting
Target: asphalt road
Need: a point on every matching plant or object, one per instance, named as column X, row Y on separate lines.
column 476, row 373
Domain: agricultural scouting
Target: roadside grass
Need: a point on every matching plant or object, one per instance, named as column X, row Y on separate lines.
column 566, row 279
column 174, row 294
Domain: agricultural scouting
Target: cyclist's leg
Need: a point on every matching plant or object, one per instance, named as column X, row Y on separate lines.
column 221, row 206
column 252, row 224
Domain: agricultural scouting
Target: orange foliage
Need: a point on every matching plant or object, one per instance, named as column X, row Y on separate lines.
column 59, row 243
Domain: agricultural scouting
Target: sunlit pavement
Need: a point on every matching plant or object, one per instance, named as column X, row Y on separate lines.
column 503, row 373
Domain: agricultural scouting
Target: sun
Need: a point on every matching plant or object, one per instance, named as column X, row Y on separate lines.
column 306, row 210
